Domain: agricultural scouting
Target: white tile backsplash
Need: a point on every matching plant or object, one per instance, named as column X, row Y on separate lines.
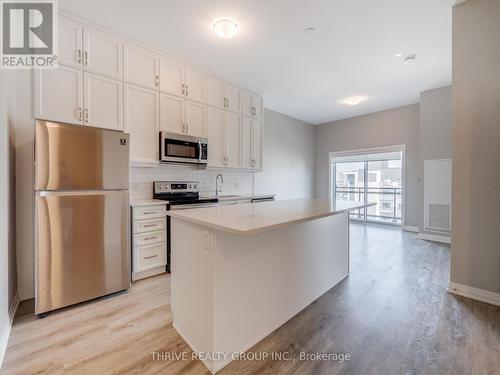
column 141, row 180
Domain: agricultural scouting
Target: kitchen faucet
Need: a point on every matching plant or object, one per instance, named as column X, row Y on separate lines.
column 217, row 191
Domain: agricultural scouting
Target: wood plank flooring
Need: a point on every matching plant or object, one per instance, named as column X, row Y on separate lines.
column 392, row 315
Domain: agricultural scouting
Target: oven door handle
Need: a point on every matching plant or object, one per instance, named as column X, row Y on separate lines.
column 174, row 207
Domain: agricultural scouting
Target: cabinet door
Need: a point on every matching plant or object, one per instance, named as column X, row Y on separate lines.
column 59, row 95
column 70, row 43
column 246, row 142
column 257, row 144
column 233, row 139
column 233, row 95
column 103, row 102
column 257, row 105
column 171, row 76
column 102, row 53
column 141, row 67
column 171, row 114
column 196, row 85
column 246, row 103
column 141, row 121
column 215, row 133
column 215, row 92
column 195, row 118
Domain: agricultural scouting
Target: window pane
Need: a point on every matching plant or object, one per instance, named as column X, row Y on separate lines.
column 349, row 184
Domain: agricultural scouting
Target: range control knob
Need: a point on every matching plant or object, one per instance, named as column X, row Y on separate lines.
column 190, row 186
column 195, row 186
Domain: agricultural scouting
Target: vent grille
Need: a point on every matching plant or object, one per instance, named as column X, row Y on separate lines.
column 439, row 217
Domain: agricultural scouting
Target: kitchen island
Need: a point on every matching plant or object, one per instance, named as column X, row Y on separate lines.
column 240, row 272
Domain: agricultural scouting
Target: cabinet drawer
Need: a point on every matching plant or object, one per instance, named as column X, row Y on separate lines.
column 151, row 256
column 141, row 239
column 149, row 212
column 141, row 226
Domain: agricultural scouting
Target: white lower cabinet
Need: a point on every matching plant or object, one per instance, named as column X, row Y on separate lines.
column 149, row 241
column 59, row 95
column 103, row 102
column 142, row 122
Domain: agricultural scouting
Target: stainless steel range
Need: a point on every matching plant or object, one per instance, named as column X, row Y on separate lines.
column 180, row 195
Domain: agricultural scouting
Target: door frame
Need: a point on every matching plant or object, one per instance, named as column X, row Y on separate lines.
column 371, row 150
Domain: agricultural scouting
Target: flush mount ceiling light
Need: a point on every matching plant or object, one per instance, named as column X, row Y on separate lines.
column 410, row 59
column 354, row 100
column 309, row 30
column 225, row 28
column 398, row 55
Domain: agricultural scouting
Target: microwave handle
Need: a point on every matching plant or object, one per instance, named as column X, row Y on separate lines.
column 199, row 151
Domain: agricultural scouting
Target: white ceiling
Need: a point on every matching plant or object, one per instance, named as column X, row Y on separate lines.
column 351, row 52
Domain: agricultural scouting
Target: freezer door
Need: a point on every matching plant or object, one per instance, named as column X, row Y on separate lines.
column 82, row 246
column 79, row 157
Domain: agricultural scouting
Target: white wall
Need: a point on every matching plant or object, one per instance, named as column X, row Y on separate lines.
column 393, row 127
column 288, row 154
column 475, row 250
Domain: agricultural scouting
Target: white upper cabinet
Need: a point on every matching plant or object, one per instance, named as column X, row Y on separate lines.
column 216, row 92
column 251, row 105
column 102, row 53
column 59, row 95
column 141, row 67
column 171, row 76
column 103, row 102
column 195, row 85
column 142, row 122
column 256, row 160
column 233, row 97
column 216, row 137
column 195, row 119
column 70, row 43
column 233, row 140
column 257, row 106
column 172, row 114
column 246, row 142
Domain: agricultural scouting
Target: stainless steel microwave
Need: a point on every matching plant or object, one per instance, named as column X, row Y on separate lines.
column 178, row 148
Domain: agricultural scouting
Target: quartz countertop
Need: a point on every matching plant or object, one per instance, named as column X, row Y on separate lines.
column 250, row 218
column 147, row 202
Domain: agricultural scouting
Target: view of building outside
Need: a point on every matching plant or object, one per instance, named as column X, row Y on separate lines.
column 383, row 187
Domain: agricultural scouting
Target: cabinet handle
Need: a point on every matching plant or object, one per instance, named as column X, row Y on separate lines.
column 187, row 92
column 157, row 80
column 150, row 238
column 79, row 55
column 149, row 213
column 187, row 128
column 86, row 58
column 86, row 115
column 79, row 113
column 151, row 257
column 149, row 225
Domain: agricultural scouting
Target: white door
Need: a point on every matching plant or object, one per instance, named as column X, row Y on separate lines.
column 103, row 102
column 141, row 67
column 70, row 43
column 257, row 106
column 233, row 140
column 141, row 121
column 233, row 98
column 246, row 142
column 59, row 95
column 246, row 103
column 196, row 85
column 171, row 114
column 195, row 118
column 215, row 92
column 256, row 144
column 215, row 133
column 102, row 53
column 171, row 76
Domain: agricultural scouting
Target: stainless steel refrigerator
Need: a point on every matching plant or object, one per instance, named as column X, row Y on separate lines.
column 81, row 214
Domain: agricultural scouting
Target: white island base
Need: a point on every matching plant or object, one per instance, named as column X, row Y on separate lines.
column 230, row 290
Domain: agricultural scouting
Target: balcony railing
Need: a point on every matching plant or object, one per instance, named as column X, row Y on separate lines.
column 388, row 199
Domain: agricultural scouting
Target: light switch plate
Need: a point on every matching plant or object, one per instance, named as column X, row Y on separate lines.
column 206, row 240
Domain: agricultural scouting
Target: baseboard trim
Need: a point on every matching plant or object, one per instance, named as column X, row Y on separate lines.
column 434, row 237
column 408, row 228
column 475, row 293
column 4, row 340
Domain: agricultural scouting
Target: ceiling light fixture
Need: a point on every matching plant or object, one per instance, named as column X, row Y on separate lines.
column 410, row 59
column 309, row 30
column 354, row 100
column 225, row 28
column 398, row 55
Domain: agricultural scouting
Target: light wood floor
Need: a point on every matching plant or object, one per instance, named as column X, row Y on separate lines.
column 392, row 315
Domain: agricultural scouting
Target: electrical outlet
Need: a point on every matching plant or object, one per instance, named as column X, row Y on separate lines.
column 206, row 240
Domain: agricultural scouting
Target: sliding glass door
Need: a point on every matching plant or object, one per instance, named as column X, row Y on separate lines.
column 375, row 178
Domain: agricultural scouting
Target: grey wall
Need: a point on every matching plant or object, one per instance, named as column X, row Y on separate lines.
column 288, row 157
column 393, row 127
column 435, row 132
column 475, row 252
column 8, row 277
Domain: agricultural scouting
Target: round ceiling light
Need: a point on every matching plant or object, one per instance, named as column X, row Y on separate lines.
column 410, row 59
column 225, row 28
column 354, row 100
